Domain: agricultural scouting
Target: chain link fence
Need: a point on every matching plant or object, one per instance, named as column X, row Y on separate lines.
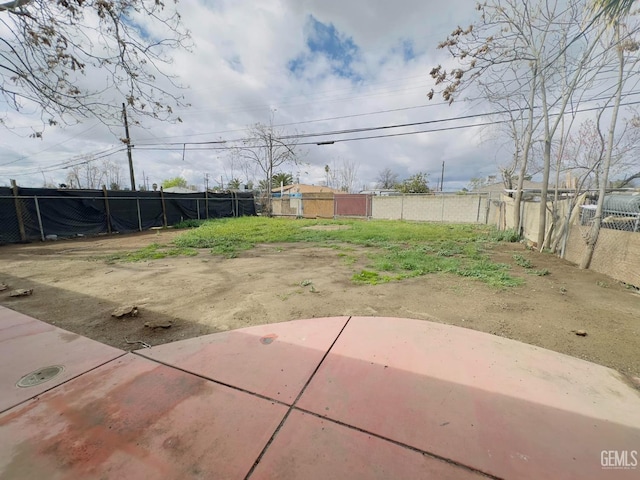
column 620, row 212
column 617, row 246
column 570, row 229
column 38, row 214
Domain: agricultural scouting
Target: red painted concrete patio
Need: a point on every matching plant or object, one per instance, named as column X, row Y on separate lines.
column 325, row 398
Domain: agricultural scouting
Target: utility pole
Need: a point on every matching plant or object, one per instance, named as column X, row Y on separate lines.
column 206, row 182
column 442, row 178
column 128, row 142
column 145, row 181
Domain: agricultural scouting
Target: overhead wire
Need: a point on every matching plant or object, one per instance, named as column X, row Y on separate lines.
column 375, row 128
column 24, row 157
column 207, row 145
column 377, row 112
column 72, row 162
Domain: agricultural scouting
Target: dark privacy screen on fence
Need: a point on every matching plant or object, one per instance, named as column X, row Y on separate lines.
column 36, row 213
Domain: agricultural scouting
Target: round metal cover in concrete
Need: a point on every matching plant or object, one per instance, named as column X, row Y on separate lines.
column 41, row 375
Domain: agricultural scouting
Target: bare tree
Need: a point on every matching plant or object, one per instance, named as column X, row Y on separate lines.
column 582, row 156
column 56, row 54
column 268, row 149
column 112, row 172
column 542, row 43
column 346, row 172
column 630, row 168
column 85, row 175
column 626, row 49
column 500, row 53
column 387, row 179
column 93, row 174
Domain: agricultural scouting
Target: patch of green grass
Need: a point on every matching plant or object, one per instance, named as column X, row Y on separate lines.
column 522, row 261
column 285, row 296
column 190, row 223
column 253, row 230
column 510, row 236
column 371, row 278
column 494, row 274
column 348, row 259
column 150, row 252
column 450, row 249
column 540, row 273
column 397, row 249
column 413, row 260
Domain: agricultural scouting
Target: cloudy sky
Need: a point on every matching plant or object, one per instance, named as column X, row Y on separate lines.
column 312, row 65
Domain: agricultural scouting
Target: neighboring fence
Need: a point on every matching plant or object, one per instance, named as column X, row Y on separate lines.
column 617, row 253
column 346, row 205
column 617, row 250
column 28, row 214
column 451, row 208
column 503, row 217
column 308, row 205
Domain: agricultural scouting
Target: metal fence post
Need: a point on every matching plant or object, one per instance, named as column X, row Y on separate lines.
column 488, row 209
column 139, row 216
column 520, row 228
column 164, row 207
column 19, row 213
column 198, row 207
column 39, row 218
column 479, row 204
column 107, row 209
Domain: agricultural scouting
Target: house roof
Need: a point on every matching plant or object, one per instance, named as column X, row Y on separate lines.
column 302, row 188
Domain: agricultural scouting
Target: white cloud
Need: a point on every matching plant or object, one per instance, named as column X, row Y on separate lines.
column 238, row 72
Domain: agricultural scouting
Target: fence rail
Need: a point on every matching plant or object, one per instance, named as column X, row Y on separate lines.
column 37, row 214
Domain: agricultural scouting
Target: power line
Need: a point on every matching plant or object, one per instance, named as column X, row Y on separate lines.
column 342, row 140
column 224, row 144
column 24, row 157
column 70, row 163
column 382, row 127
column 377, row 112
column 354, row 115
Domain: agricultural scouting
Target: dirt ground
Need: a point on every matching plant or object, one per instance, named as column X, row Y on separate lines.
column 76, row 290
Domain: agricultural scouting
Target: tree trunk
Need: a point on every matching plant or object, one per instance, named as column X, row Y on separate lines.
column 542, row 220
column 525, row 154
column 592, row 239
